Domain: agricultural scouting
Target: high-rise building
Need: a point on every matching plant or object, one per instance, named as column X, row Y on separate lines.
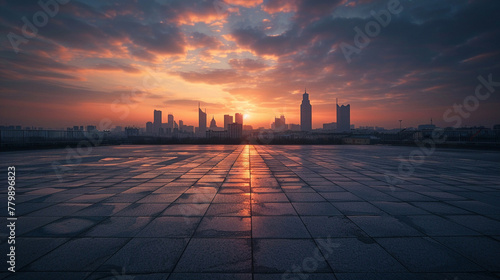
column 227, row 120
column 238, row 118
column 305, row 113
column 157, row 122
column 343, row 118
column 170, row 123
column 149, row 128
column 202, row 122
column 181, row 125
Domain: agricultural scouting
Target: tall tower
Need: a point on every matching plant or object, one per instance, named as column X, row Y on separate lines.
column 343, row 117
column 157, row 122
column 202, row 122
column 170, row 122
column 305, row 113
column 227, row 121
column 238, row 118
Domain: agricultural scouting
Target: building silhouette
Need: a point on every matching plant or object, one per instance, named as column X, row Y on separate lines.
column 235, row 130
column 227, row 120
column 330, row 126
column 157, row 122
column 280, row 123
column 343, row 118
column 213, row 124
column 305, row 113
column 149, row 128
column 238, row 118
column 202, row 122
column 170, row 123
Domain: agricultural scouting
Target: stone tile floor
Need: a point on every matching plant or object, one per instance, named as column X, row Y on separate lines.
column 254, row 212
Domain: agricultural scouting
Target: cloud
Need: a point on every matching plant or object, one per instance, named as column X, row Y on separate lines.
column 213, row 77
column 247, row 64
column 111, row 67
column 200, row 40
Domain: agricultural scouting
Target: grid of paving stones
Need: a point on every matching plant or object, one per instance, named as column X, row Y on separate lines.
column 254, row 212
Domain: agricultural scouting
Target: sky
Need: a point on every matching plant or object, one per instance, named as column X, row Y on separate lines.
column 75, row 62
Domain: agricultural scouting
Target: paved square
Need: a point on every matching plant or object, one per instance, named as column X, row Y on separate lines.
column 253, row 212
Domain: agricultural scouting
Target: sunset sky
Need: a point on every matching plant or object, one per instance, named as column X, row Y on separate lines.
column 120, row 60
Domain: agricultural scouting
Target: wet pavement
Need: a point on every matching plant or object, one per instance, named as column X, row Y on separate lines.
column 254, row 212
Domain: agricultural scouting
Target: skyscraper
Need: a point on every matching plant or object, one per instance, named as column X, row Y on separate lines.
column 238, row 118
column 202, row 122
column 170, row 123
column 157, row 122
column 181, row 125
column 305, row 113
column 343, row 118
column 227, row 120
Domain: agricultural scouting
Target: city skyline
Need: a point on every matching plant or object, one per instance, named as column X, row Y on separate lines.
column 392, row 60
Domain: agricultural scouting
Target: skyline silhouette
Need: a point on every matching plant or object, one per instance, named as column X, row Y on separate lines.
column 90, row 61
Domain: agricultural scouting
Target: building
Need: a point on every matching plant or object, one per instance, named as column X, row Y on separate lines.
column 294, row 127
column 238, row 118
column 213, row 124
column 202, row 122
column 330, row 126
column 235, row 130
column 220, row 134
column 157, row 122
column 430, row 126
column 305, row 113
column 149, row 128
column 280, row 124
column 170, row 123
column 343, row 118
column 188, row 129
column 131, row 131
column 227, row 120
